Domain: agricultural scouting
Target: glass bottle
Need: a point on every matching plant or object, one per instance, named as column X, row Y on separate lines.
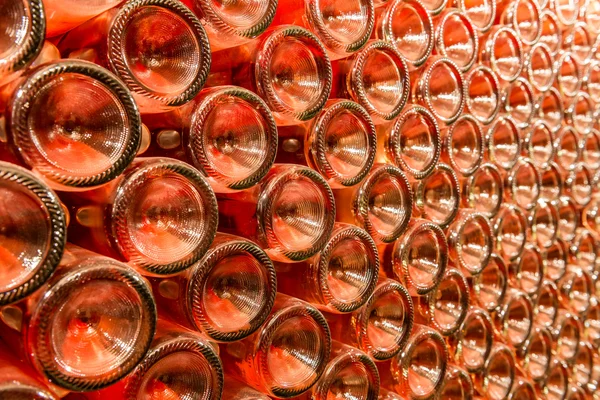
column 382, row 326
column 33, row 233
column 446, row 307
column 551, row 108
column 580, row 113
column 419, row 370
column 290, row 213
column 456, row 38
column 523, row 389
column 568, row 151
column 230, row 24
column 591, row 324
column 528, row 271
column 538, row 143
column 483, row 191
column 287, row 66
column 23, row 33
column 502, row 51
column 439, row 86
column 566, row 11
column 510, row 227
column 408, row 26
column 350, row 373
column 551, row 31
column 64, row 15
column 524, row 17
column 590, row 149
column 536, row 354
column 226, row 295
column 539, row 68
column 518, row 100
column 418, row 259
column 179, row 364
column 489, row 287
column 482, row 13
column 583, row 365
column 437, row 197
column 591, row 80
column 463, row 145
column 523, row 184
column 503, row 142
column 567, row 332
column 555, row 387
column 556, row 259
column 88, row 326
column 482, row 91
column 514, row 318
column 160, row 216
column 568, row 74
column 579, row 41
column 376, row 77
column 158, row 48
column 590, row 216
column 543, row 221
column 470, row 241
column 237, row 390
column 578, row 185
column 338, row 279
column 340, row 143
column 546, row 304
column 343, row 27
column 568, row 213
column 72, row 122
column 227, row 132
column 472, row 343
column 381, row 204
column 287, row 355
column 498, row 376
column 412, row 142
column 551, row 182
column 576, row 288
column 457, row 384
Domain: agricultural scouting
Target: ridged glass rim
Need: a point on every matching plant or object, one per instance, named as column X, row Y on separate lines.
column 402, row 247
column 362, row 320
column 461, row 4
column 511, row 180
column 419, row 191
column 425, row 16
column 32, row 46
column 263, row 343
column 441, row 21
column 571, row 110
column 361, row 201
column 38, row 335
column 553, row 210
column 344, row 360
column 422, row 334
column 203, row 268
column 196, row 139
column 514, row 210
column 469, row 188
column 18, row 115
column 495, row 87
column 559, row 16
column 544, row 335
column 470, row 215
column 357, row 89
column 477, row 283
column 526, row 87
column 212, row 18
column 558, row 63
column 126, row 192
column 394, row 141
column 447, row 144
column 491, row 148
column 552, row 91
column 499, row 349
column 263, row 76
column 513, row 296
column 348, row 232
column 559, row 136
column 475, row 314
column 183, row 343
column 422, row 90
column 264, row 210
column 528, row 142
column 58, row 228
column 511, row 14
column 314, row 17
column 457, row 277
column 487, row 51
column 118, row 61
column 547, row 13
column 545, row 49
column 318, row 146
